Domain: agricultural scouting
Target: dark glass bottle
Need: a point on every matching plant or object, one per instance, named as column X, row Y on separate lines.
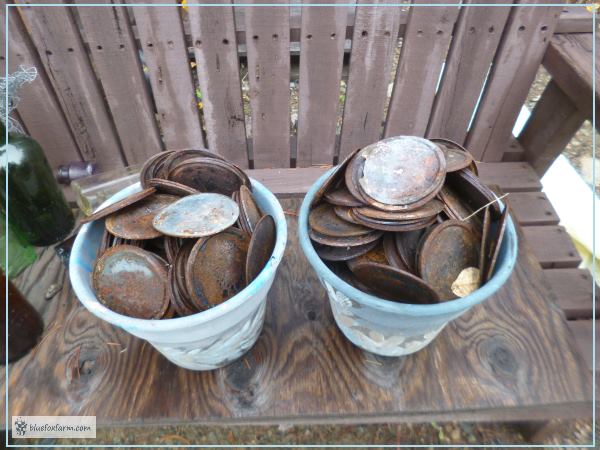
column 24, row 323
column 36, row 205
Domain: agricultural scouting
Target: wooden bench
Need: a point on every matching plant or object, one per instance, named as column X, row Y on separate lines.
column 512, row 358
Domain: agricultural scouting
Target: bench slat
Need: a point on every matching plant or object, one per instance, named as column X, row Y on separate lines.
column 514, row 68
column 373, row 45
column 476, row 37
column 114, row 55
column 552, row 246
column 66, row 62
column 532, row 208
column 166, row 57
column 268, row 74
column 44, row 120
column 573, row 289
column 510, row 176
column 215, row 47
column 582, row 330
column 321, row 60
column 424, row 47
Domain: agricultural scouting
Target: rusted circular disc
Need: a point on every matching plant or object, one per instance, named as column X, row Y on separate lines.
column 208, row 175
column 261, row 247
column 249, row 210
column 124, row 203
column 149, row 169
column 395, row 284
column 444, row 252
column 485, row 237
column 197, row 215
column 345, row 213
column 457, row 157
column 342, row 270
column 395, row 226
column 429, row 209
column 344, row 241
column 407, row 244
column 180, row 267
column 179, row 156
column 181, row 307
column 170, row 187
column 352, row 177
column 341, row 196
column 216, row 267
column 495, row 243
column 105, row 242
column 375, row 255
column 324, row 220
column 132, row 282
column 391, row 253
column 135, row 221
column 472, row 191
column 172, row 245
column 328, row 253
column 333, row 180
column 401, row 170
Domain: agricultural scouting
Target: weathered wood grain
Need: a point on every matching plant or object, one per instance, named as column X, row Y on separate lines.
column 115, row 58
column 574, row 19
column 573, row 289
column 584, row 336
column 553, row 122
column 269, row 77
column 67, row 65
column 552, row 246
column 569, row 61
column 515, row 65
column 38, row 108
column 215, row 47
column 321, row 59
column 511, row 355
column 475, row 39
column 166, row 57
column 532, row 208
column 424, row 48
column 373, row 43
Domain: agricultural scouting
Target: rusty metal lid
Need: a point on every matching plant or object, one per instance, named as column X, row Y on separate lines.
column 394, row 226
column 351, row 241
column 135, row 221
column 209, row 175
column 334, row 179
column 324, row 220
column 260, row 248
column 250, row 213
column 341, row 196
column 117, row 206
column 179, row 156
column 401, row 170
column 457, row 157
column 485, row 237
column 345, row 213
column 216, row 267
column 407, row 244
column 170, row 187
column 149, row 169
column 391, row 253
column 429, row 209
column 375, row 255
column 395, row 284
column 444, row 252
column 132, row 282
column 329, row 253
column 197, row 215
column 494, row 244
column 472, row 191
column 181, row 307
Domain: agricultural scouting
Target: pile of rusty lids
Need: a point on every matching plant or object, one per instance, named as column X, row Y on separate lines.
column 407, row 219
column 191, row 239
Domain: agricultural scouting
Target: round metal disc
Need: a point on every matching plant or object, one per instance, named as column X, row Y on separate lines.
column 216, row 267
column 250, row 213
column 171, row 187
column 328, row 253
column 375, row 255
column 429, row 209
column 135, row 221
column 110, row 209
column 181, row 306
column 324, row 220
column 132, row 282
column 402, row 170
column 344, row 241
column 336, row 176
column 391, row 253
column 472, row 191
column 495, row 243
column 179, row 156
column 444, row 252
column 197, row 215
column 394, row 284
column 341, row 196
column 261, row 247
column 407, row 244
column 457, row 157
column 485, row 237
column 208, row 175
column 345, row 213
column 396, row 226
column 149, row 169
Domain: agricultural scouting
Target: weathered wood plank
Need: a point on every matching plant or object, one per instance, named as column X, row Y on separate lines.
column 532, row 208
column 512, row 353
column 574, row 19
column 114, row 55
column 215, row 47
column 424, row 47
column 165, row 55
column 38, row 108
column 510, row 176
column 552, row 246
column 321, row 59
column 573, row 289
column 515, row 65
column 476, row 36
column 269, row 77
column 67, row 65
column 569, row 61
column 373, row 45
column 583, row 332
column 553, row 122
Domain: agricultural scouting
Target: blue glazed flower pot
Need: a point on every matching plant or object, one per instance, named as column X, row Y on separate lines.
column 389, row 328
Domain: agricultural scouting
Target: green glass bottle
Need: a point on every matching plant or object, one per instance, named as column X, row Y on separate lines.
column 36, row 204
column 20, row 253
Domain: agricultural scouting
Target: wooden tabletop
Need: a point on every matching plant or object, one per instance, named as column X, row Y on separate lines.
column 510, row 358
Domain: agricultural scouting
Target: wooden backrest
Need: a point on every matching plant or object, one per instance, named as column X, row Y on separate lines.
column 118, row 84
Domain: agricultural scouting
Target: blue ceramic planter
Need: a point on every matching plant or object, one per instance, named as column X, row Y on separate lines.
column 389, row 328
